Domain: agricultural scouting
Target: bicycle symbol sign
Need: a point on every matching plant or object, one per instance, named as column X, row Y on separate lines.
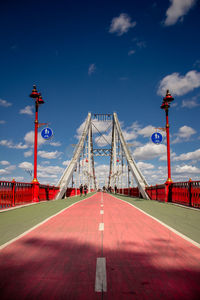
column 46, row 133
column 156, row 138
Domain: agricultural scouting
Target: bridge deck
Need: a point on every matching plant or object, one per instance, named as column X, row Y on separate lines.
column 58, row 259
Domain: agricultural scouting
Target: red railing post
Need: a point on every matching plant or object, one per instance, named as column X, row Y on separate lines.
column 156, row 192
column 48, row 198
column 168, row 186
column 190, row 191
column 36, row 189
column 13, row 192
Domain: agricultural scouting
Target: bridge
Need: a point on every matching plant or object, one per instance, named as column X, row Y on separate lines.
column 127, row 241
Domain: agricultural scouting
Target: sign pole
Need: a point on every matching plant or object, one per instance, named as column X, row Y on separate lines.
column 35, row 184
column 35, row 143
column 166, row 105
column 168, row 148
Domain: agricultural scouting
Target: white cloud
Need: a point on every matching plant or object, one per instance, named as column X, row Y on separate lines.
column 145, row 166
column 30, row 136
column 195, row 155
column 177, row 10
column 45, row 162
column 91, row 69
column 2, row 171
column 20, row 146
column 26, row 165
column 28, row 153
column 50, row 173
column 121, row 24
column 10, row 168
column 128, row 136
column 28, row 110
column 134, row 144
column 184, row 134
column 190, row 103
column 4, row 162
column 131, row 52
column 10, row 144
column 7, row 170
column 179, row 85
column 49, row 155
column 187, row 169
column 29, row 142
column 6, row 143
column 9, row 178
column 147, row 131
column 2, row 122
column 55, row 144
column 164, row 156
column 5, row 103
column 51, row 169
column 29, row 139
column 45, row 175
column 149, row 151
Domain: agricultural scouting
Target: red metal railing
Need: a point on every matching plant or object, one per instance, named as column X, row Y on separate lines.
column 179, row 193
column 195, row 194
column 47, row 192
column 17, row 193
column 22, row 193
column 186, row 193
column 70, row 192
column 6, row 194
column 156, row 192
column 133, row 192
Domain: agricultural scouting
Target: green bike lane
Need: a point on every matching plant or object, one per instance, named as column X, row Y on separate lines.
column 14, row 222
column 182, row 219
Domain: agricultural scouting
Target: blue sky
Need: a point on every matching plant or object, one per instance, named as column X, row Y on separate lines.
column 99, row 57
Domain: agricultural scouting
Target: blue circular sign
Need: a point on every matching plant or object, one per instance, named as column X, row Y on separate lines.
column 156, row 138
column 46, row 133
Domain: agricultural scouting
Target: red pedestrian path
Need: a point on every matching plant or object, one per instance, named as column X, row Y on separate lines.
column 57, row 260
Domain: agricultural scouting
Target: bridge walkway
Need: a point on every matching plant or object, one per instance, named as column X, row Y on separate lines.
column 100, row 248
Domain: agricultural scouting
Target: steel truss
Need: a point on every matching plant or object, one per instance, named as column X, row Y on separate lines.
column 121, row 162
column 117, row 136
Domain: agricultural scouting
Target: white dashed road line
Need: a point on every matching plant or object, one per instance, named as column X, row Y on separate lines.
column 100, row 280
column 101, row 226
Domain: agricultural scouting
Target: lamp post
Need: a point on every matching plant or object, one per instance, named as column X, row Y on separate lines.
column 38, row 100
column 166, row 105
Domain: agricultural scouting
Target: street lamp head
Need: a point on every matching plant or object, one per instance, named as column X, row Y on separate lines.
column 40, row 100
column 168, row 97
column 34, row 93
column 167, row 100
column 165, row 105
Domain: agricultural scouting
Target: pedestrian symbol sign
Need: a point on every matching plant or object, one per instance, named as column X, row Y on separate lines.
column 156, row 138
column 46, row 133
